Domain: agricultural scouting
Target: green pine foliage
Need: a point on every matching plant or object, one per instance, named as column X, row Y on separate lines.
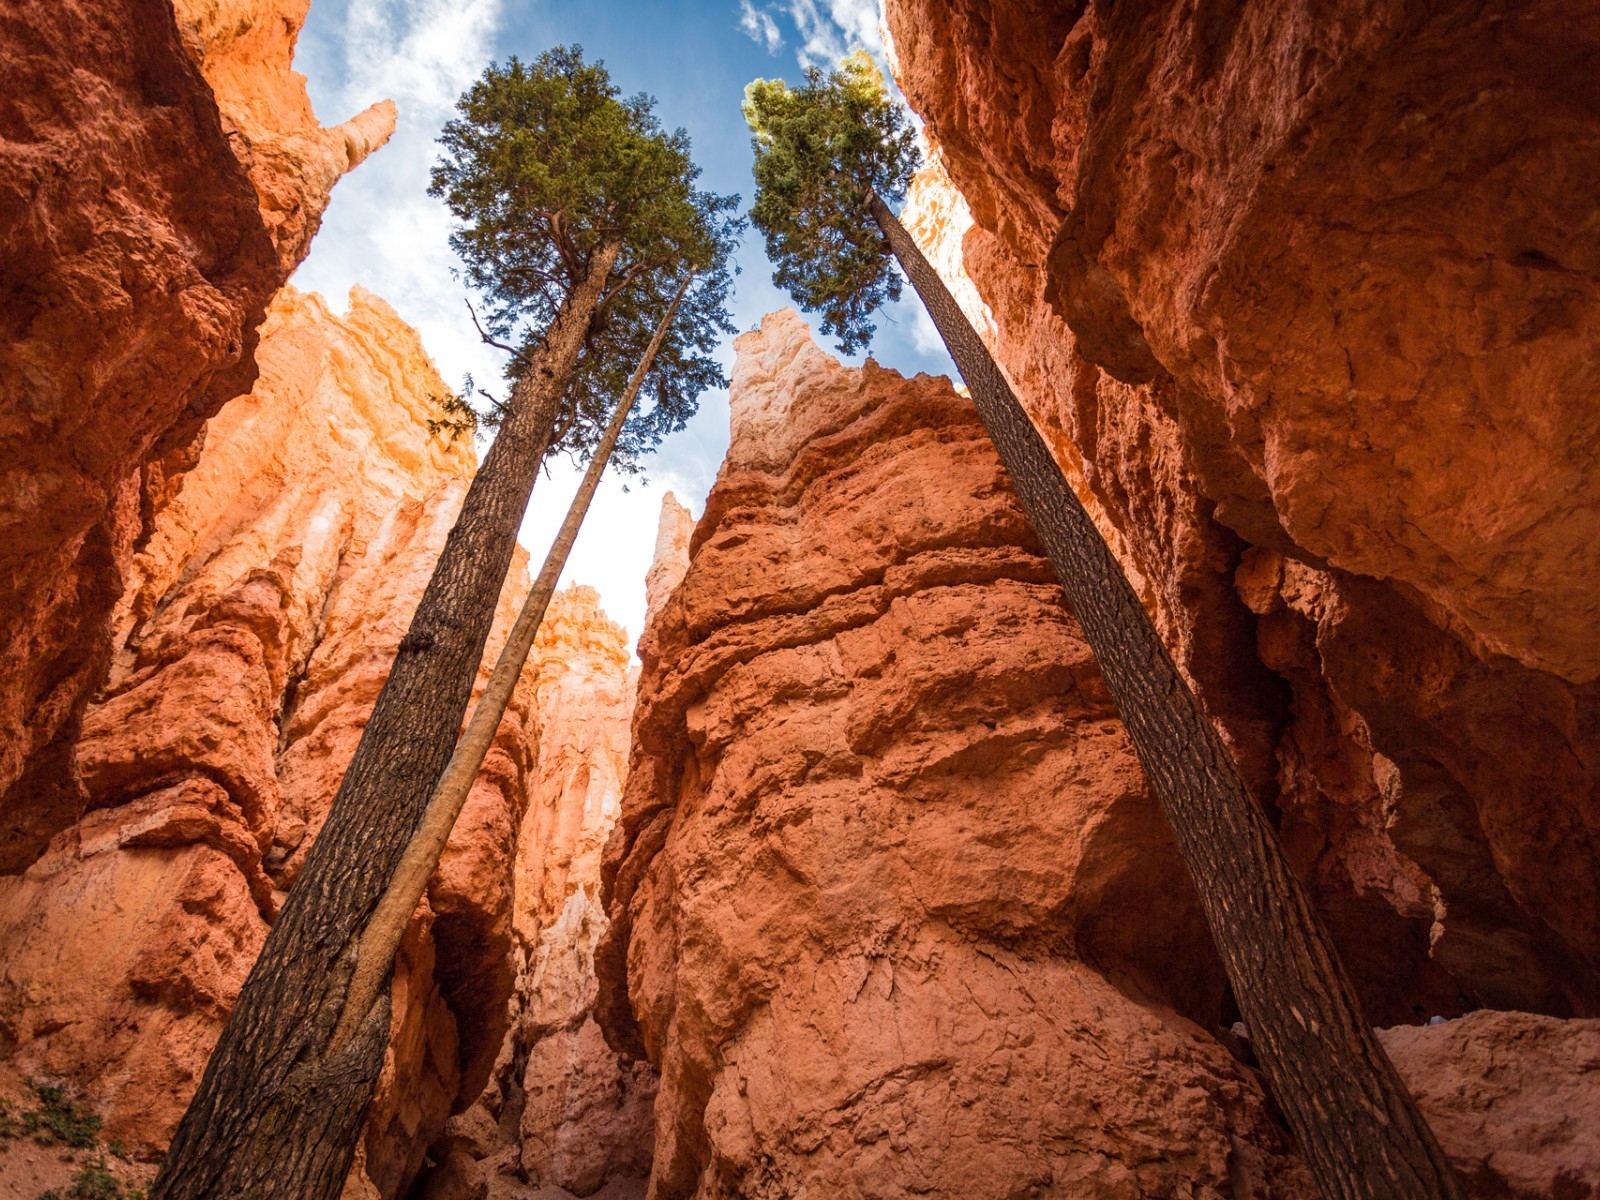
column 546, row 164
column 822, row 151
column 684, row 366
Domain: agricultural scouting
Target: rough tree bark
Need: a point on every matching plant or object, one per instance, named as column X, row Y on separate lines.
column 381, row 938
column 276, row 1115
column 1358, row 1128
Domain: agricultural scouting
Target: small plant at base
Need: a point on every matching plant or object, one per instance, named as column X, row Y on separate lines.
column 58, row 1119
column 95, row 1182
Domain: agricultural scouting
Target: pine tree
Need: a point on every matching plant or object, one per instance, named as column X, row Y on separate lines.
column 574, row 205
column 830, row 157
column 673, row 366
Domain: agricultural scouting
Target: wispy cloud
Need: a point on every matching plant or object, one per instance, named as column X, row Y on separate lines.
column 423, row 50
column 825, row 30
column 758, row 25
column 383, row 230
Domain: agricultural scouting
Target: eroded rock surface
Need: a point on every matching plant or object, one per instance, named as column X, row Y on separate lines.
column 1306, row 306
column 563, row 1110
column 1513, row 1098
column 892, row 908
column 260, row 619
column 161, row 175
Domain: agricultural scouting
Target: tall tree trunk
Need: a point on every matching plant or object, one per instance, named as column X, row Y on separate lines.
column 381, row 937
column 1358, row 1127
column 276, row 1116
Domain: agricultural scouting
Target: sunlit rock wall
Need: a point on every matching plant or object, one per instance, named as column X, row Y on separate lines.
column 160, row 177
column 892, row 909
column 1306, row 303
column 259, row 622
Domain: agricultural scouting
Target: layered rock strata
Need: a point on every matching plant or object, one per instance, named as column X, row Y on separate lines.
column 563, row 1110
column 161, row 175
column 258, row 625
column 1306, row 305
column 892, row 908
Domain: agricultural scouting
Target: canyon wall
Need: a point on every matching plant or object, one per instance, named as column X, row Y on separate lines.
column 562, row 1109
column 1305, row 299
column 892, row 909
column 161, row 174
column 259, row 621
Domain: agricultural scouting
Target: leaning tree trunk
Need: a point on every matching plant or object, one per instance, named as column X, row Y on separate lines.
column 381, row 938
column 277, row 1115
column 1358, row 1127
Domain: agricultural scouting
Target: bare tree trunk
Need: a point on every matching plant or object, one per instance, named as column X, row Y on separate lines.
column 276, row 1114
column 1358, row 1127
column 381, row 937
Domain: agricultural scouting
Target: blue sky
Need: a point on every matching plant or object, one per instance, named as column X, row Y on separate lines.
column 383, row 231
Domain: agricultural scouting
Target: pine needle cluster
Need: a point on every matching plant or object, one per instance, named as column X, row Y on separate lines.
column 822, row 151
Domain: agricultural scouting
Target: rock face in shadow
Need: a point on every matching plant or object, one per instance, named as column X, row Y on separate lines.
column 258, row 625
column 1305, row 304
column 892, row 909
column 562, row 1109
column 161, row 174
column 1514, row 1099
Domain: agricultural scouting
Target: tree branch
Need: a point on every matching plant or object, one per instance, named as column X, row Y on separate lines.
column 489, row 341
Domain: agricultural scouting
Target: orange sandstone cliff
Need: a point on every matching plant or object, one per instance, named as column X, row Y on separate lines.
column 1306, row 303
column 161, row 174
column 892, row 909
column 261, row 615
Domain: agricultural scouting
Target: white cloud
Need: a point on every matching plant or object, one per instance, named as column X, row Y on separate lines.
column 826, row 30
column 426, row 51
column 830, row 29
column 924, row 333
column 758, row 25
column 382, row 229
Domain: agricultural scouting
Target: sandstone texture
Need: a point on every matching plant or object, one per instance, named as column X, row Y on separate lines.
column 671, row 558
column 1514, row 1099
column 258, row 624
column 892, row 909
column 1305, row 301
column 161, row 175
column 563, row 1110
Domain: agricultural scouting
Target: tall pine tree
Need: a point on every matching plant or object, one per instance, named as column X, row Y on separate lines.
column 830, row 157
column 574, row 204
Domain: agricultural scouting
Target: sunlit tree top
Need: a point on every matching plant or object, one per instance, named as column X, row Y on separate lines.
column 822, row 150
column 545, row 164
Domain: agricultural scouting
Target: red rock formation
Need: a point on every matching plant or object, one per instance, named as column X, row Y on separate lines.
column 671, row 558
column 892, row 909
column 160, row 176
column 259, row 622
column 1514, row 1099
column 564, row 1110
column 1305, row 301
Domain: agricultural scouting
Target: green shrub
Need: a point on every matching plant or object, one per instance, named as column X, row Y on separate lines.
column 95, row 1182
column 58, row 1119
